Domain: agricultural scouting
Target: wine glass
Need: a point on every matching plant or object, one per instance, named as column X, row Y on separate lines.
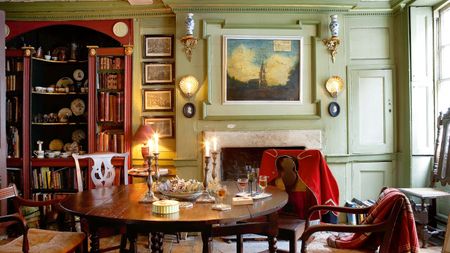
column 242, row 183
column 262, row 182
column 221, row 193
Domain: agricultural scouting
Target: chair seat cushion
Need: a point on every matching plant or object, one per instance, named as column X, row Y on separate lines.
column 47, row 241
column 318, row 244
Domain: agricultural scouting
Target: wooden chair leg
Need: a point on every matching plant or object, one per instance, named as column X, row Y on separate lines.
column 123, row 243
column 292, row 245
column 239, row 244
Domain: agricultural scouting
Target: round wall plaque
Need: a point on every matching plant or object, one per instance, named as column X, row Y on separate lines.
column 334, row 109
column 120, row 29
column 189, row 110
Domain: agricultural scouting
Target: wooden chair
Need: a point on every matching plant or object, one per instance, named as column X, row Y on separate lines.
column 425, row 212
column 103, row 174
column 384, row 229
column 37, row 240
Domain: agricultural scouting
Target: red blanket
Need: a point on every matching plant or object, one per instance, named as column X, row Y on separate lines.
column 404, row 238
column 313, row 171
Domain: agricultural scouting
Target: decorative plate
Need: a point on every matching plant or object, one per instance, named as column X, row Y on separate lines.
column 77, row 107
column 182, row 195
column 78, row 75
column 64, row 82
column 64, row 114
column 55, row 144
column 78, row 135
column 120, row 29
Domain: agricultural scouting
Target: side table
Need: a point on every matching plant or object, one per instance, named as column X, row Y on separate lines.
column 425, row 215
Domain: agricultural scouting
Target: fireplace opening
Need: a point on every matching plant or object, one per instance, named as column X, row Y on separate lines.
column 234, row 160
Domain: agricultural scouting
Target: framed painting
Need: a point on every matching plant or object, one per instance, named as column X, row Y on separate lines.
column 158, row 46
column 163, row 125
column 157, row 100
column 158, row 73
column 262, row 69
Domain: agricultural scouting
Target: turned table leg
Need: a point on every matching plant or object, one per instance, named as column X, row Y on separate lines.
column 157, row 242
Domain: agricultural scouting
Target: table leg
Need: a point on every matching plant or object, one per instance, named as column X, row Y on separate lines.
column 157, row 242
column 272, row 244
column 95, row 240
column 273, row 231
column 207, row 242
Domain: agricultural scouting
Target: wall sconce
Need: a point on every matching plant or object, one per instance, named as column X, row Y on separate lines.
column 188, row 86
column 189, row 41
column 334, row 86
column 334, row 41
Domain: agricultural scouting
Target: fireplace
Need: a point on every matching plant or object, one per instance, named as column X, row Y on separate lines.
column 240, row 148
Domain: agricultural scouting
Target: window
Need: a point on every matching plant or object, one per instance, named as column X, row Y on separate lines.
column 443, row 54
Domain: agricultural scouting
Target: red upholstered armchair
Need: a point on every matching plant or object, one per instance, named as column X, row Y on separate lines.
column 389, row 225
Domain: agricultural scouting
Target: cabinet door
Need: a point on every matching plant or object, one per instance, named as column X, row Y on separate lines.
column 369, row 177
column 371, row 112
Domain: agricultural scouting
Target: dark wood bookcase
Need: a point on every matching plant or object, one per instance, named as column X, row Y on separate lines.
column 71, row 99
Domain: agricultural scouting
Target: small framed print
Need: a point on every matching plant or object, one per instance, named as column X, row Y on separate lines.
column 158, row 73
column 163, row 125
column 157, row 99
column 158, row 46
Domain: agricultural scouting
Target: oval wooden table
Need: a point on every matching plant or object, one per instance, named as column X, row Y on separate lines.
column 120, row 205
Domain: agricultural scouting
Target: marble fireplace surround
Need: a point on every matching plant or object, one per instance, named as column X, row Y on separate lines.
column 311, row 139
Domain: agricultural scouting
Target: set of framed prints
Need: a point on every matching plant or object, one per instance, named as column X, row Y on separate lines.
column 158, row 80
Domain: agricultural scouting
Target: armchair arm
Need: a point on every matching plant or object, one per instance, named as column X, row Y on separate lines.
column 27, row 202
column 383, row 226
column 15, row 218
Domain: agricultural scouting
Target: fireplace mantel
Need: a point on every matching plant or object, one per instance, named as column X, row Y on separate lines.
column 311, row 139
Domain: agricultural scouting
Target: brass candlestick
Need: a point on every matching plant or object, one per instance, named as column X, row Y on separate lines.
column 206, row 197
column 149, row 196
column 156, row 157
column 213, row 173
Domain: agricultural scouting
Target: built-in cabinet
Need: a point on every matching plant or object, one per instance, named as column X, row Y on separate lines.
column 66, row 97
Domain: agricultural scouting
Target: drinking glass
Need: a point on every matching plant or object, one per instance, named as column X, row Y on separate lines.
column 262, row 182
column 242, row 183
column 221, row 193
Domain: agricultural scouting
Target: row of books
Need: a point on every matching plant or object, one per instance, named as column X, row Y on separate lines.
column 14, row 65
column 13, row 109
column 111, row 141
column 13, row 142
column 110, row 81
column 54, row 178
column 354, row 219
column 109, row 62
column 11, row 83
column 111, row 106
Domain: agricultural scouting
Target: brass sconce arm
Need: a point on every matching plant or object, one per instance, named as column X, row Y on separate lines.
column 189, row 42
column 331, row 45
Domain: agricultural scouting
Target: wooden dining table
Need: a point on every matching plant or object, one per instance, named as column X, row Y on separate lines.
column 120, row 205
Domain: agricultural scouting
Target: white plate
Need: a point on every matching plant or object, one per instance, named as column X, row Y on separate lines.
column 64, row 82
column 78, row 75
column 182, row 195
column 256, row 196
column 77, row 106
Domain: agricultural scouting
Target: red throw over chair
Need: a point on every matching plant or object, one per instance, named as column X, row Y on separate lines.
column 389, row 226
column 305, row 176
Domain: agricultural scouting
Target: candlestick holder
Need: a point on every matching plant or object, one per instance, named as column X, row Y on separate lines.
column 156, row 158
column 213, row 172
column 206, row 197
column 149, row 196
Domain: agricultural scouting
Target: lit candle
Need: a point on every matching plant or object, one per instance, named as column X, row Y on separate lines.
column 156, row 137
column 207, row 148
column 150, row 146
column 215, row 144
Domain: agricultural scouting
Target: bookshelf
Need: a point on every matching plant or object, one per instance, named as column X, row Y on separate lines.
column 55, row 100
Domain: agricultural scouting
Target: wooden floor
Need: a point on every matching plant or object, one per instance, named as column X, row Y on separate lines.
column 193, row 244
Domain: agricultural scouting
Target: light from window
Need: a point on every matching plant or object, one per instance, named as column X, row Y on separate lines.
column 443, row 87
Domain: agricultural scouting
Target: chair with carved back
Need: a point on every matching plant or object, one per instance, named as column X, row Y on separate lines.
column 425, row 212
column 34, row 239
column 388, row 227
column 102, row 173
